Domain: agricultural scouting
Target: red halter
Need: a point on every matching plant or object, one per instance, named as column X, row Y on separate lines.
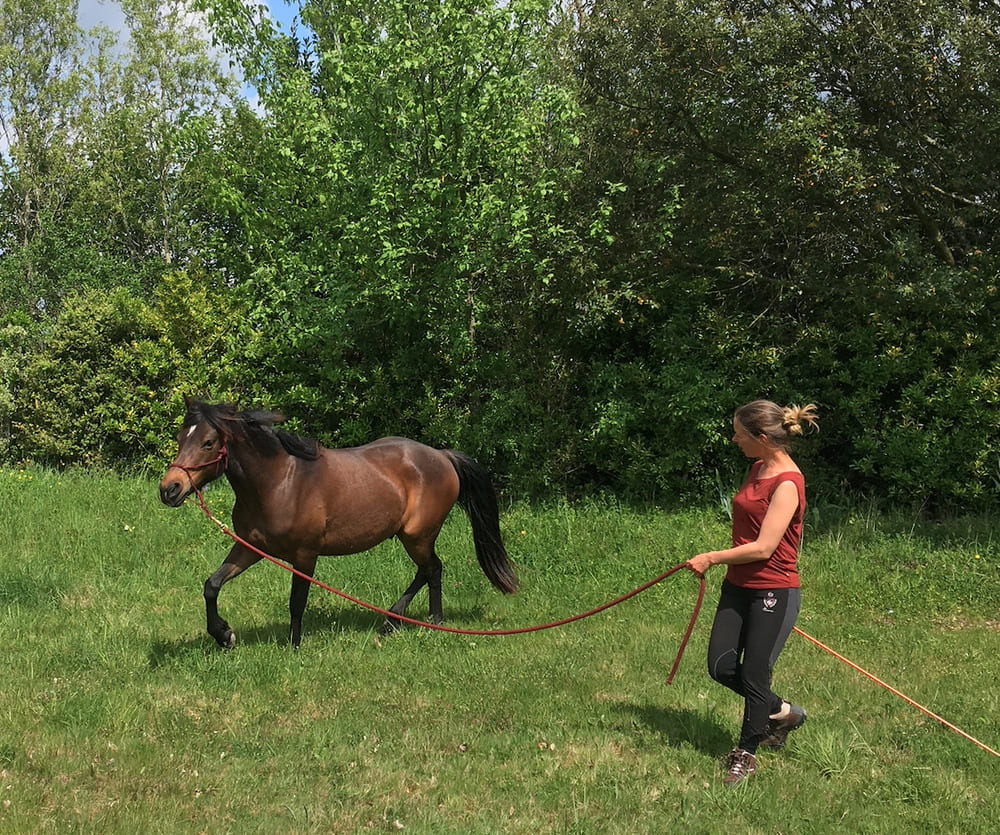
column 221, row 458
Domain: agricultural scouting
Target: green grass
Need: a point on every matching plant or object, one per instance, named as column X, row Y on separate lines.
column 119, row 714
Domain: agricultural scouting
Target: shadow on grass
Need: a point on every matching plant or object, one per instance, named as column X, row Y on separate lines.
column 682, row 726
column 317, row 624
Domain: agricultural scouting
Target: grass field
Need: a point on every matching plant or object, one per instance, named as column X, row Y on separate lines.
column 119, row 714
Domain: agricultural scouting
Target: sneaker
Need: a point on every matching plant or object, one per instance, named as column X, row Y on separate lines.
column 741, row 764
column 778, row 729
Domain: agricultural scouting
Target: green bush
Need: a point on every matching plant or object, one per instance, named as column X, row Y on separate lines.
column 913, row 390
column 78, row 388
column 17, row 336
column 106, row 385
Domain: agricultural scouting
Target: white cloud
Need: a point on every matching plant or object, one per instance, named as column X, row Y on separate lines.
column 109, row 14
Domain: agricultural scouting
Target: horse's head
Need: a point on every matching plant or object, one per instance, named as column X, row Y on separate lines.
column 201, row 455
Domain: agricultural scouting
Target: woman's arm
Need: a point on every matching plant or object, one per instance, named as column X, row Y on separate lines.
column 784, row 503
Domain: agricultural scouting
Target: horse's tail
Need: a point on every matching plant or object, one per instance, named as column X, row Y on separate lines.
column 479, row 500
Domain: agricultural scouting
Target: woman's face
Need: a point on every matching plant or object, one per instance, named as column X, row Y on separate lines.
column 750, row 446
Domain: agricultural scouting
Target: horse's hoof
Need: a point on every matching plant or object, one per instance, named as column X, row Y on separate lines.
column 390, row 626
column 228, row 641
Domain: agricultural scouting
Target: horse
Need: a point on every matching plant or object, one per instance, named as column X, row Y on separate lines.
column 297, row 500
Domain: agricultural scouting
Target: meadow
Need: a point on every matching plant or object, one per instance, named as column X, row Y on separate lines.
column 120, row 715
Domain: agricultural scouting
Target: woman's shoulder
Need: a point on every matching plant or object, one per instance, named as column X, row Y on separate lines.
column 791, row 473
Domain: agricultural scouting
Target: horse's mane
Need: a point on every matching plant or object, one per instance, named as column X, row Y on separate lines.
column 254, row 427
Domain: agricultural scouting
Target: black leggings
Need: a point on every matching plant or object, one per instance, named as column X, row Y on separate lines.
column 750, row 629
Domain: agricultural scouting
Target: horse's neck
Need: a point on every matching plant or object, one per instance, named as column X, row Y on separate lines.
column 252, row 476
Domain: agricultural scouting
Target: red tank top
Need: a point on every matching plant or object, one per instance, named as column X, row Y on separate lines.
column 780, row 570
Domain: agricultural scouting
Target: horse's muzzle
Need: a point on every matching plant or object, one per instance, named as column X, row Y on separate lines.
column 173, row 492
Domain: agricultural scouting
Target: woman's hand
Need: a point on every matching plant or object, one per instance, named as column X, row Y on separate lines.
column 700, row 563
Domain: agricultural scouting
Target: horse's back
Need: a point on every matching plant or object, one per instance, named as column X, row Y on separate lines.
column 414, row 467
column 393, row 482
column 395, row 452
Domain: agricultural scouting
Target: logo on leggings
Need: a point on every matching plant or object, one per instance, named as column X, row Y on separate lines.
column 770, row 602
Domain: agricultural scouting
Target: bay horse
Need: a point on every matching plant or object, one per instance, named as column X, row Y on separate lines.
column 297, row 500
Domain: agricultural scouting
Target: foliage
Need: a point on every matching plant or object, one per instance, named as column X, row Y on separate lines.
column 915, row 389
column 396, row 256
column 41, row 90
column 17, row 336
column 109, row 377
column 835, row 202
column 97, row 139
column 568, row 241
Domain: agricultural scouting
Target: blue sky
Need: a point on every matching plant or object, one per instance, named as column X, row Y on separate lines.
column 108, row 13
column 93, row 12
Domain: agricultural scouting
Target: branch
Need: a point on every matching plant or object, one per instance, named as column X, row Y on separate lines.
column 932, row 229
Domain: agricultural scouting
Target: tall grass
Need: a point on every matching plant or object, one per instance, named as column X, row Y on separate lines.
column 120, row 715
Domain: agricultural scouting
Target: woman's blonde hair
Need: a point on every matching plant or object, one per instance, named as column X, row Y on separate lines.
column 778, row 423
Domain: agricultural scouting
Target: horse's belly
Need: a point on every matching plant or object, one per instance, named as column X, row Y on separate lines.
column 350, row 538
column 351, row 529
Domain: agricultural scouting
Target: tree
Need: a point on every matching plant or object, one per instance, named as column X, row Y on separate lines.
column 99, row 140
column 173, row 88
column 811, row 138
column 41, row 79
column 837, row 210
column 404, row 207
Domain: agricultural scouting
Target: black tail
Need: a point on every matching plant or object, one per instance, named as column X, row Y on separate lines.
column 479, row 500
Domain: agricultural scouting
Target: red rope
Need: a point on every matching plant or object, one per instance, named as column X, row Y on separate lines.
column 564, row 621
column 895, row 692
column 479, row 632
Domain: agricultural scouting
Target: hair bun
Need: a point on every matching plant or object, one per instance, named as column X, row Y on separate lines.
column 797, row 418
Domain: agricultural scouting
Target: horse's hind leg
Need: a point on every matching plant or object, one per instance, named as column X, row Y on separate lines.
column 434, row 571
column 428, row 574
column 399, row 607
column 236, row 563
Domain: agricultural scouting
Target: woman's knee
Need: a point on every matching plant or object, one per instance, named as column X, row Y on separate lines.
column 725, row 669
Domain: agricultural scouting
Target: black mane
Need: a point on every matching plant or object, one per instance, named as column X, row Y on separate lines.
column 253, row 427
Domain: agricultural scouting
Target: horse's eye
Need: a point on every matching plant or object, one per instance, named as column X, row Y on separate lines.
column 208, row 444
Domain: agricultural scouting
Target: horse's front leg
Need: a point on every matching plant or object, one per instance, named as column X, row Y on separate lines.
column 236, row 563
column 299, row 596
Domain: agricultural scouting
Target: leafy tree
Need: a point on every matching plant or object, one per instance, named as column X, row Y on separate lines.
column 99, row 140
column 41, row 79
column 814, row 136
column 172, row 88
column 404, row 209
column 832, row 162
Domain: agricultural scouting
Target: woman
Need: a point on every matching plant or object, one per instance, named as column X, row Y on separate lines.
column 760, row 597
